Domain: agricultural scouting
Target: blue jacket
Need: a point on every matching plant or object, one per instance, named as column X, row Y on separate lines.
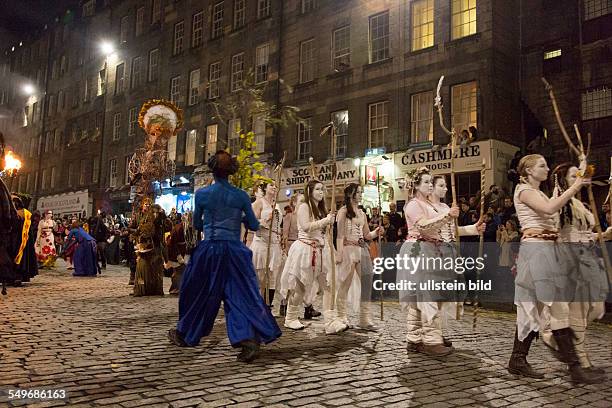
column 220, row 209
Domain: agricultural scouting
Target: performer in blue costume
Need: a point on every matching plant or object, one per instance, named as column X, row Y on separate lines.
column 221, row 269
column 85, row 258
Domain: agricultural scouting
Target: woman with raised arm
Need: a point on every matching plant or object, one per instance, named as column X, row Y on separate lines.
column 308, row 262
column 354, row 258
column 542, row 284
column 221, row 269
column 269, row 218
column 585, row 267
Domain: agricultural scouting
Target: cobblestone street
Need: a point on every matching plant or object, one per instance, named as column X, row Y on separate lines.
column 104, row 347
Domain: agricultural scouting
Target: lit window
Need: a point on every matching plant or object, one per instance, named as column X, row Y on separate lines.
column 172, row 147
column 552, row 54
column 422, row 24
column 190, row 147
column 378, row 123
column 421, row 117
column 597, row 103
column 112, row 173
column 464, row 106
column 233, row 135
column 259, row 129
column 379, row 37
column 194, row 86
column 211, row 140
column 463, row 18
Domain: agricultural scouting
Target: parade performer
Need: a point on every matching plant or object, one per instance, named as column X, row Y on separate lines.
column 542, row 284
column 584, row 266
column 431, row 236
column 353, row 257
column 8, row 234
column 151, row 251
column 177, row 251
column 267, row 217
column 221, row 269
column 83, row 248
column 308, row 262
column 26, row 265
column 45, row 246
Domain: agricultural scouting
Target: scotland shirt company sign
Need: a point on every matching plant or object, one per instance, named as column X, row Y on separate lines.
column 298, row 176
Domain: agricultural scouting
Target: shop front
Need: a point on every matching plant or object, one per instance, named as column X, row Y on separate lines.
column 77, row 204
column 176, row 193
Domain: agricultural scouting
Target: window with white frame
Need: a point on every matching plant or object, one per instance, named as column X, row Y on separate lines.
column 263, row 8
column 117, row 126
column 136, row 72
column 378, row 123
column 239, row 13
column 463, row 18
column 307, row 60
column 155, row 11
column 379, row 37
column 89, row 8
column 112, row 173
column 464, row 106
column 262, row 56
column 53, row 180
column 341, row 48
column 259, row 129
column 172, row 147
column 308, row 5
column 422, row 24
column 217, row 20
column 341, row 123
column 214, row 75
column 123, row 29
column 126, row 170
column 87, row 91
column 140, row 20
column 95, row 169
column 119, row 78
column 211, row 140
column 132, row 121
column 304, row 138
column 175, row 90
column 596, row 8
column 190, row 147
column 237, row 72
column 101, row 88
column 179, row 34
column 61, row 100
column 233, row 135
column 421, row 117
column 47, row 143
column 194, row 86
column 154, row 64
column 197, row 29
column 548, row 55
column 82, row 172
column 597, row 103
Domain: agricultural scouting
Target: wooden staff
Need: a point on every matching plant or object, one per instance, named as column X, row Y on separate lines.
column 279, row 172
column 480, row 241
column 330, row 127
column 453, row 142
column 382, row 312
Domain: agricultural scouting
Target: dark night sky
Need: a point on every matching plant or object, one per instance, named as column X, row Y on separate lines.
column 20, row 18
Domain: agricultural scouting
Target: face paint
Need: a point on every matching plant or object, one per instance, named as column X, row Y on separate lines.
column 318, row 192
column 425, row 187
column 440, row 188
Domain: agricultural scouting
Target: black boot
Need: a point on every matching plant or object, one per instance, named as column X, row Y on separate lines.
column 565, row 342
column 250, row 349
column 310, row 313
column 518, row 364
column 175, row 338
column 447, row 342
column 271, row 297
column 283, row 310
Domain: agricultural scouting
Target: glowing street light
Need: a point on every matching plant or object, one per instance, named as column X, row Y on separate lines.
column 28, row 89
column 107, row 48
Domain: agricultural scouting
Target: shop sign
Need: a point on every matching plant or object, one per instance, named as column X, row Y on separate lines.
column 375, row 151
column 467, row 158
column 298, row 176
column 70, row 203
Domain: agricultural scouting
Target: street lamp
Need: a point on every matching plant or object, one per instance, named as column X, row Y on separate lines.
column 107, row 48
column 28, row 89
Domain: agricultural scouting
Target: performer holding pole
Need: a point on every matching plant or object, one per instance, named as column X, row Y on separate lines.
column 480, row 241
column 380, row 227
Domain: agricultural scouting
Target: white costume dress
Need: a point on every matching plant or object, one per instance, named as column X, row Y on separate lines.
column 308, row 264
column 355, row 270
column 259, row 247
